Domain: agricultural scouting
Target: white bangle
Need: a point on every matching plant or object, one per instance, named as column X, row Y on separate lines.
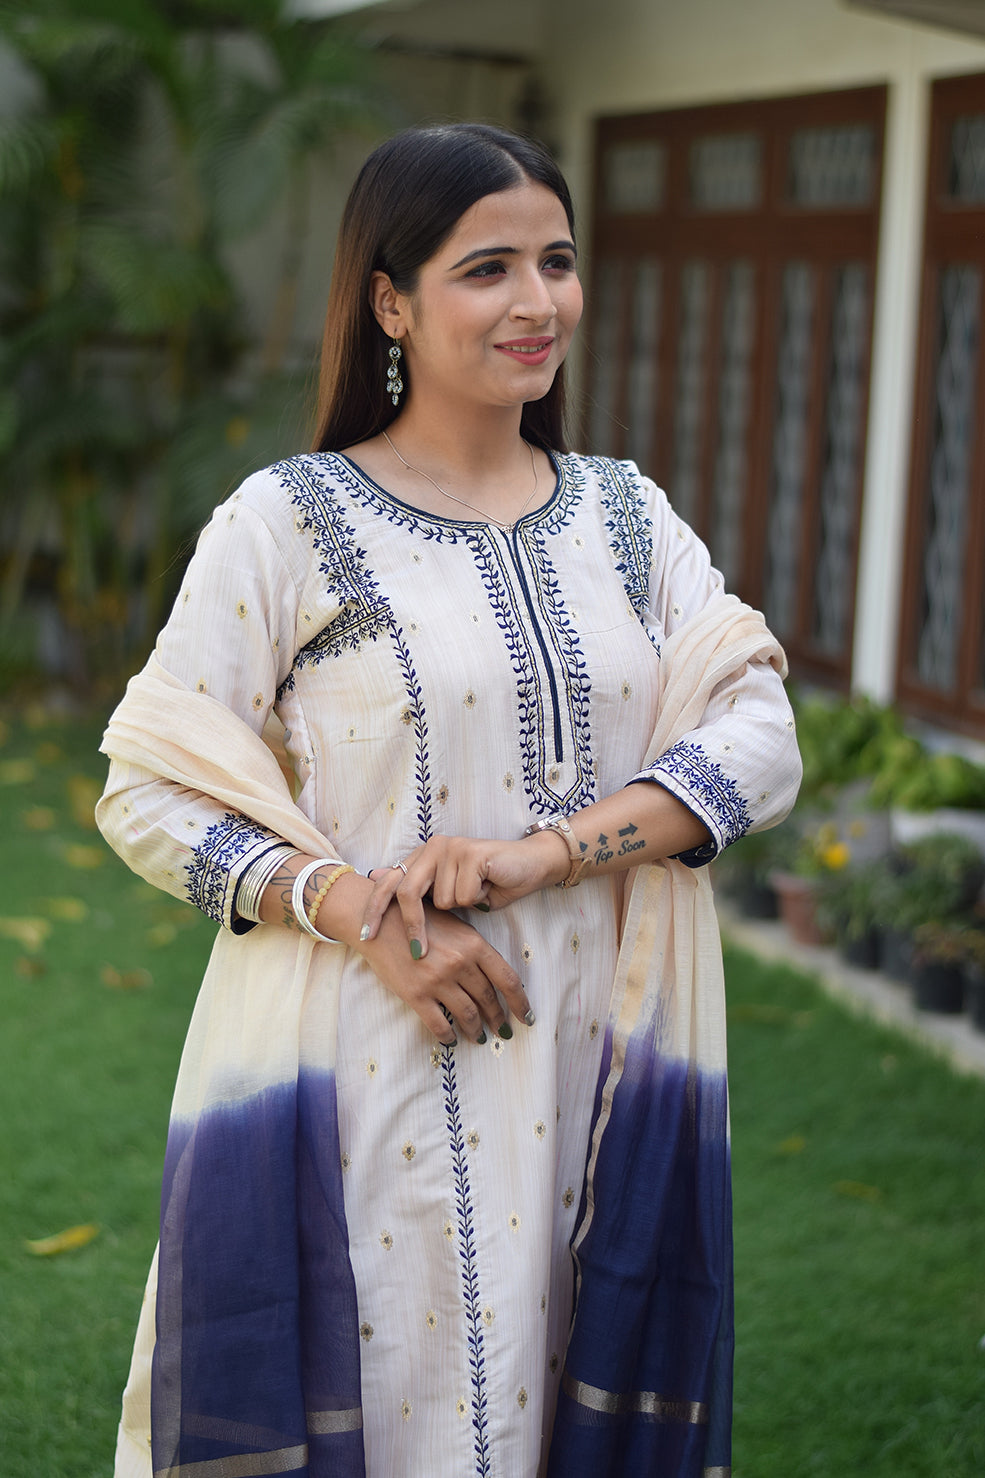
column 297, row 898
column 577, row 853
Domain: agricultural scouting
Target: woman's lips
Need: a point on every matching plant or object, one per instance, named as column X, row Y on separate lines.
column 528, row 351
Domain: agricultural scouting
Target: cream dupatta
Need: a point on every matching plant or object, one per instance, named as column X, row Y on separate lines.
column 647, row 1377
column 662, row 1088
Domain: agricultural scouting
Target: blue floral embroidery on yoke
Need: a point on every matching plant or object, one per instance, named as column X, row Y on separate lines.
column 629, row 527
column 705, row 787
column 467, row 1257
column 210, row 880
column 365, row 613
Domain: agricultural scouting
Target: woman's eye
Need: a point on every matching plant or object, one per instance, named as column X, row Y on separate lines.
column 559, row 264
column 486, row 269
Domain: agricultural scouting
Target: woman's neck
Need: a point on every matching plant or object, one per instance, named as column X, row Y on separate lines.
column 475, row 450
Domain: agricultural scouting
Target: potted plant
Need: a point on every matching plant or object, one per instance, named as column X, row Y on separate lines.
column 817, row 852
column 743, row 872
column 939, row 961
column 974, row 975
column 848, row 903
column 934, row 880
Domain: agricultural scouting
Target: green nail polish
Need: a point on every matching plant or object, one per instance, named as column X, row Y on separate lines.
column 415, row 949
column 505, row 1031
column 481, row 1039
column 483, row 907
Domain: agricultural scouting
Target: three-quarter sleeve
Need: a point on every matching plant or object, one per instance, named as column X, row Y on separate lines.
column 739, row 769
column 231, row 635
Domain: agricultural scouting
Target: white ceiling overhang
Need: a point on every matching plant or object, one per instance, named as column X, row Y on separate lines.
column 967, row 16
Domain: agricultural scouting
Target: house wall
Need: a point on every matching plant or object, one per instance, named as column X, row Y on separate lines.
column 640, row 55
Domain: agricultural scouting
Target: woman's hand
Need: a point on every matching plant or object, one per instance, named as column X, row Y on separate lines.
column 462, row 872
column 462, row 976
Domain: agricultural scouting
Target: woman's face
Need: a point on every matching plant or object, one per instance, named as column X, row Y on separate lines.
column 496, row 306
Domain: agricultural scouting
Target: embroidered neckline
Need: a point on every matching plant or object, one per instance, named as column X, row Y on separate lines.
column 415, row 517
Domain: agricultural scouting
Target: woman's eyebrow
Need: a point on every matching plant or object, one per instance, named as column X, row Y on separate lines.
column 509, row 251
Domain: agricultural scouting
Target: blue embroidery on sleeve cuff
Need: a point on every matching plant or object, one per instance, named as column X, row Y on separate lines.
column 707, row 790
column 226, row 849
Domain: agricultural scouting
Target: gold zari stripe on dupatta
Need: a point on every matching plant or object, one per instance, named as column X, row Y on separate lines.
column 243, row 1465
column 718, row 1473
column 636, row 1403
column 327, row 1423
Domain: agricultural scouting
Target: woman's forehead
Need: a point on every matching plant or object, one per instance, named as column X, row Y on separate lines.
column 528, row 215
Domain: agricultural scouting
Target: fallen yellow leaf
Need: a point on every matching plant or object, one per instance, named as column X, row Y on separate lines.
column 858, row 1190
column 125, row 979
column 65, row 1241
column 29, row 968
column 28, row 932
column 161, row 934
column 39, row 818
column 67, row 910
column 16, row 772
column 83, row 793
column 794, row 1144
column 79, row 855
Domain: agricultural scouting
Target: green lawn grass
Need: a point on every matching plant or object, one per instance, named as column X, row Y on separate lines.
column 858, row 1160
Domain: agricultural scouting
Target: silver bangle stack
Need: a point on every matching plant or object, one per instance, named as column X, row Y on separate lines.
column 256, row 877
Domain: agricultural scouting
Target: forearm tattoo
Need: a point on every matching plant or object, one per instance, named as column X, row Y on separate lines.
column 627, row 840
column 282, row 884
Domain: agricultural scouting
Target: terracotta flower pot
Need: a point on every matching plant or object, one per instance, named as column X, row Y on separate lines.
column 796, row 899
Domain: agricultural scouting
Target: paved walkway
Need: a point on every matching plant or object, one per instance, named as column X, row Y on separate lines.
column 866, row 991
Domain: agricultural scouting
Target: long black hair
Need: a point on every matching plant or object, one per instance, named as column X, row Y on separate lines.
column 407, row 200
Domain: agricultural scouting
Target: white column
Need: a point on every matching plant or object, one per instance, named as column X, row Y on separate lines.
column 894, row 346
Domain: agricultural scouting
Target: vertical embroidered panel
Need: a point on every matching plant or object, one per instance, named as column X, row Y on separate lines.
column 467, row 1258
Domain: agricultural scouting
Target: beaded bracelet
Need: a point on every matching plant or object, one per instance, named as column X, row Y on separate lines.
column 322, row 893
column 297, row 895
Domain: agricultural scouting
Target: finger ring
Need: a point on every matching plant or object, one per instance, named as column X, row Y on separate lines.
column 401, row 865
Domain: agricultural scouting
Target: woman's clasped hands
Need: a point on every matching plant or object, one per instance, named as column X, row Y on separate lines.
column 457, row 977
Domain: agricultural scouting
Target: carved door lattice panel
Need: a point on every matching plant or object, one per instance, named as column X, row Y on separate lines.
column 730, row 327
column 941, row 660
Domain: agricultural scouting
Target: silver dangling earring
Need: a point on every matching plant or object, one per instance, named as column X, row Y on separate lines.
column 394, row 384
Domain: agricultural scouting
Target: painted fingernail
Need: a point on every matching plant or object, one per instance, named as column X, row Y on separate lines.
column 484, row 907
column 415, row 949
column 505, row 1031
column 481, row 1039
column 364, row 933
column 529, row 1019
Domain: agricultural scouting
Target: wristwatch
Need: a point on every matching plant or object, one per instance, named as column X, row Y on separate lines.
column 578, row 854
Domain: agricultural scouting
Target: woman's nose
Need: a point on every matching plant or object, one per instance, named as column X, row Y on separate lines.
column 534, row 299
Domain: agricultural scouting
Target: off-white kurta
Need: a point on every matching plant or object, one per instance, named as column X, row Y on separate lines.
column 444, row 676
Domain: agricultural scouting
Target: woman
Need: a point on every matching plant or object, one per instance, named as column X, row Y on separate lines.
column 509, row 682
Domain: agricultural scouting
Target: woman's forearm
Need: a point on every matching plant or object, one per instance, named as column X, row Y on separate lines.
column 640, row 823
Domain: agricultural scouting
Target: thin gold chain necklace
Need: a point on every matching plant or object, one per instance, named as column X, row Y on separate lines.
column 507, row 528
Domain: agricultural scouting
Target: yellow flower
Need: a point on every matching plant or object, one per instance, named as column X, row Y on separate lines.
column 835, row 855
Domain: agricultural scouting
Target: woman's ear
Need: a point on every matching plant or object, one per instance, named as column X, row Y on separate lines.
column 387, row 305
